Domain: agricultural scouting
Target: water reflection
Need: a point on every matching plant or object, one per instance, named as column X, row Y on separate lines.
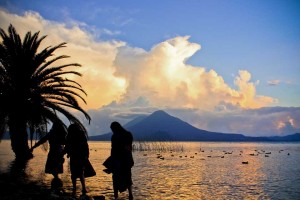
column 200, row 171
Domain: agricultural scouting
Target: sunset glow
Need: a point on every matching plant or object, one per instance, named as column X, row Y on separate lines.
column 216, row 83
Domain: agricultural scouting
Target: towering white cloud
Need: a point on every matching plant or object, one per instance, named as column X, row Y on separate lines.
column 163, row 76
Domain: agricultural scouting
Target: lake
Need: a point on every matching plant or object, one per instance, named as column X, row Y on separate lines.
column 187, row 170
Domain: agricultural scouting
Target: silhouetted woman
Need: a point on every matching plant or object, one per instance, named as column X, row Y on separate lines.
column 121, row 153
column 78, row 150
column 57, row 140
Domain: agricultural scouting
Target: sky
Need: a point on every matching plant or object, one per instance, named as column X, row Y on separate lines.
column 227, row 66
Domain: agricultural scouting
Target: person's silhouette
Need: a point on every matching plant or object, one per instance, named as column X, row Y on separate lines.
column 78, row 150
column 57, row 140
column 121, row 154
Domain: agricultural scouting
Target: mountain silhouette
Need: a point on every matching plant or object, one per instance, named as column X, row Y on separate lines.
column 160, row 126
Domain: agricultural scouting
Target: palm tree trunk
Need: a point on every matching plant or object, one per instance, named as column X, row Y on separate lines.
column 19, row 139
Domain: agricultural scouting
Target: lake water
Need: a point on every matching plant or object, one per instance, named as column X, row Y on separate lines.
column 193, row 170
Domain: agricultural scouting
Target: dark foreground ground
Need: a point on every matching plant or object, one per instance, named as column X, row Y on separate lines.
column 14, row 187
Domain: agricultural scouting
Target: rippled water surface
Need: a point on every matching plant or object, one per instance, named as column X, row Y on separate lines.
column 198, row 170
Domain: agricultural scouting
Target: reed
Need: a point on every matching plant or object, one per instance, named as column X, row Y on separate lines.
column 165, row 146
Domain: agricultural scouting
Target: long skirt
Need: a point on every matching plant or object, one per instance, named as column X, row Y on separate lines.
column 54, row 163
column 122, row 179
column 81, row 166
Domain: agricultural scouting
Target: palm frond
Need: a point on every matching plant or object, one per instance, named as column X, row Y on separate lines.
column 67, row 114
column 61, row 91
column 32, row 88
column 41, row 57
column 67, row 90
column 48, row 73
column 64, row 81
column 48, row 63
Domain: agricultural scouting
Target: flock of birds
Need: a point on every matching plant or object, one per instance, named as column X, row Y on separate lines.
column 256, row 153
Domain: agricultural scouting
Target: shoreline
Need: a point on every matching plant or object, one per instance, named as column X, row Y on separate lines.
column 17, row 187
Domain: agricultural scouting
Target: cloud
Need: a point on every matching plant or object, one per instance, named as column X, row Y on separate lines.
column 114, row 71
column 124, row 82
column 109, row 32
column 266, row 121
column 95, row 56
column 164, row 78
column 116, row 111
column 273, row 82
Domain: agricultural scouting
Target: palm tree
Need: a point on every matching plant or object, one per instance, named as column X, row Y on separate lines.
column 33, row 89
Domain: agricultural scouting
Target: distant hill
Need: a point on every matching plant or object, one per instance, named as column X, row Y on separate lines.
column 160, row 126
column 288, row 138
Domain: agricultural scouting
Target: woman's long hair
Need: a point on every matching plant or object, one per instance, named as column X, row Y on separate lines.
column 76, row 134
column 59, row 132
